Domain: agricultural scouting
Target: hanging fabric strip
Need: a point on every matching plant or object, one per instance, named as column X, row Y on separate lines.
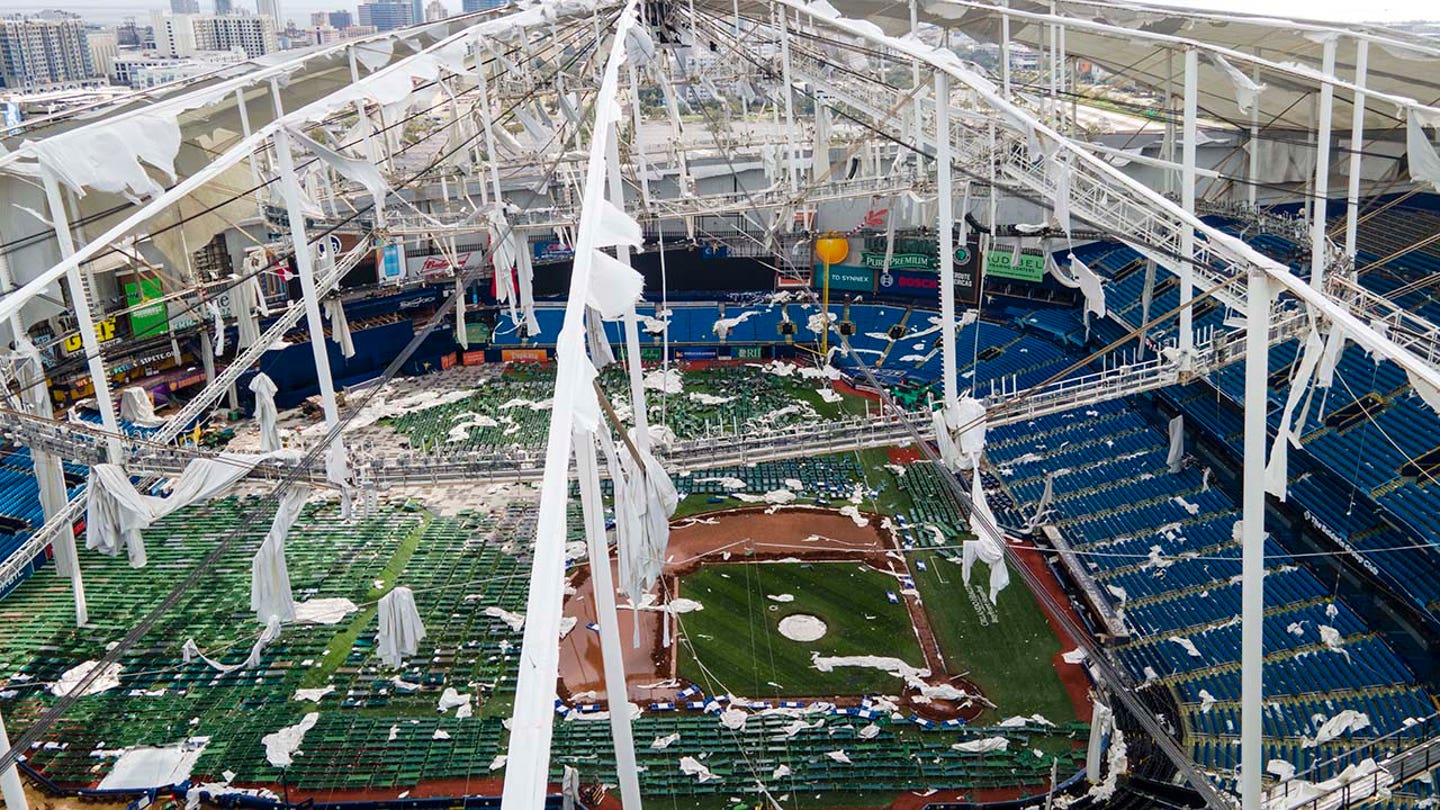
column 190, row 652
column 400, row 628
column 265, row 412
column 246, row 320
column 1091, row 285
column 364, row 172
column 1058, row 169
column 989, row 542
column 596, row 343
column 116, row 512
column 1247, row 90
column 1424, row 163
column 1176, row 458
column 270, row 595
column 339, row 325
column 1277, row 470
column 525, row 282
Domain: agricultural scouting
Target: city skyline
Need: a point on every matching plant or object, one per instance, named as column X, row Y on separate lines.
column 300, row 10
column 114, row 14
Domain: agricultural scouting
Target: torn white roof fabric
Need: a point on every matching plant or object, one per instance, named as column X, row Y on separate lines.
column 116, row 512
column 400, row 627
column 266, row 413
column 269, row 575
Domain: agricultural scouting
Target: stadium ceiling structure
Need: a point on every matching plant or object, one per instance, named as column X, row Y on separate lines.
column 529, row 120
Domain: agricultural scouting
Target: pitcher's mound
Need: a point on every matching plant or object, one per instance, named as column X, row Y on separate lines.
column 802, row 627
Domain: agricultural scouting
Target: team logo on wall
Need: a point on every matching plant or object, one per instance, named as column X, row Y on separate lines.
column 887, row 280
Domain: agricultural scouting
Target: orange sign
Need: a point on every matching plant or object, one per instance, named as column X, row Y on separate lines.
column 524, row 355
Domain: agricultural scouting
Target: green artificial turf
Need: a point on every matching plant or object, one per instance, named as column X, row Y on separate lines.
column 1007, row 648
column 736, row 636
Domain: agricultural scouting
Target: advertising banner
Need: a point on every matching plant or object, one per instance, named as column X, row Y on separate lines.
column 696, row 353
column 845, row 277
column 476, row 358
column 524, row 355
column 552, row 251
column 147, row 321
column 439, row 266
column 390, row 264
column 1004, row 263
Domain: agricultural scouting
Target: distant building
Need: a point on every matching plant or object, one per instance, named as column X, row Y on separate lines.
column 36, row 52
column 143, row 70
column 127, row 35
column 269, row 8
column 387, row 16
column 183, row 35
column 185, row 6
column 103, row 50
column 224, row 7
column 174, row 34
column 482, row 5
column 435, row 11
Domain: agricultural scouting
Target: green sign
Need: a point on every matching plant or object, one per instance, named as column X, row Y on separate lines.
column 1024, row 267
column 845, row 277
column 746, row 352
column 151, row 320
column 901, row 261
column 648, row 354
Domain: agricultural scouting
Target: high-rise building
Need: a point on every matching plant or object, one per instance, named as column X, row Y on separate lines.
column 341, row 20
column 269, row 8
column 185, row 6
column 224, row 7
column 417, row 11
column 182, row 35
column 253, row 34
column 435, row 11
column 103, row 50
column 174, row 34
column 39, row 52
column 387, row 16
column 481, row 5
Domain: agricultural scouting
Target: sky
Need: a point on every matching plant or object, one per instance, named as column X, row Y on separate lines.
column 299, row 10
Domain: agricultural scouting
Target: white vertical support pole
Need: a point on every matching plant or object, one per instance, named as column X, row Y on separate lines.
column 84, row 320
column 10, row 788
column 1167, row 144
column 1004, row 50
column 304, row 265
column 207, row 357
column 788, row 151
column 1054, row 71
column 1252, row 596
column 945, row 193
column 617, row 693
column 1357, row 142
column 637, row 145
column 1322, row 165
column 914, row 31
column 250, row 161
column 49, row 472
column 485, row 118
column 1252, row 166
column 632, row 322
column 1187, row 198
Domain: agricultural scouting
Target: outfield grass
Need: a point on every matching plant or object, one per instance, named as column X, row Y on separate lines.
column 1007, row 649
column 737, row 638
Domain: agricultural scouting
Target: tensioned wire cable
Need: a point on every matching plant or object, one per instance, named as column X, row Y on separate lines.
column 192, row 578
